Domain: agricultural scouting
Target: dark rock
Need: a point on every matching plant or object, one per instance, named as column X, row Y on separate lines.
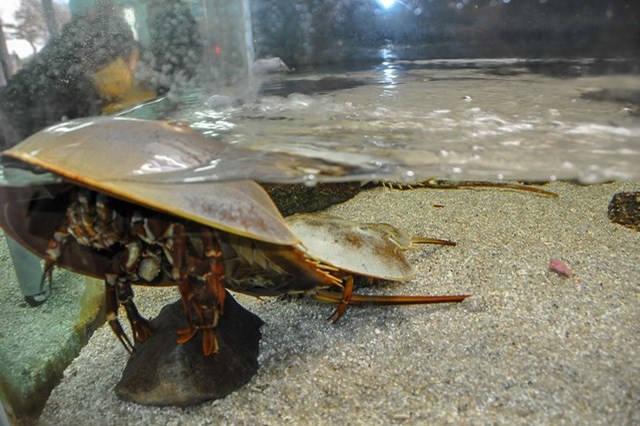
column 163, row 372
column 624, row 209
column 286, row 87
column 299, row 198
column 623, row 95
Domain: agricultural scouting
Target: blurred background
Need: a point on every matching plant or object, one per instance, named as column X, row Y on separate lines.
column 258, row 72
column 317, row 32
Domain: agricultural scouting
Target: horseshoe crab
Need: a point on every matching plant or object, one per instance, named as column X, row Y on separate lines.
column 98, row 219
column 372, row 250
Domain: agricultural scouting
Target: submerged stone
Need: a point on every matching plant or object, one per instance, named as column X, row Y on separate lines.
column 624, row 209
column 164, row 372
column 299, row 198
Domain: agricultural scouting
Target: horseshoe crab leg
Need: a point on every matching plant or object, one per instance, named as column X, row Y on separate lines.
column 119, row 293
column 343, row 301
column 140, row 326
column 112, row 305
column 206, row 298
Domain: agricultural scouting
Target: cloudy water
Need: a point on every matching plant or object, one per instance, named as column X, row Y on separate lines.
column 455, row 119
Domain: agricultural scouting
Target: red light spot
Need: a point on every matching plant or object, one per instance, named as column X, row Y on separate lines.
column 217, row 49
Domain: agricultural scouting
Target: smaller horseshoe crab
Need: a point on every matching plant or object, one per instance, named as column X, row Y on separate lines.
column 372, row 250
column 203, row 237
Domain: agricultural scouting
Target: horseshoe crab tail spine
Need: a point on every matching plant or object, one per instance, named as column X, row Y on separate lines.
column 359, row 299
column 425, row 240
column 506, row 185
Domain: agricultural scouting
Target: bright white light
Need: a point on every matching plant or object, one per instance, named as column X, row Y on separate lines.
column 129, row 15
column 386, row 3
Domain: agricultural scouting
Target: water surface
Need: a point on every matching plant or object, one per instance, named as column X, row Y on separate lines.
column 457, row 119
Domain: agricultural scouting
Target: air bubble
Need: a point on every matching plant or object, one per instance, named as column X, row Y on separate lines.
column 310, row 180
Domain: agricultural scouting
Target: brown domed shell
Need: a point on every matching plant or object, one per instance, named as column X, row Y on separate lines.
column 111, row 154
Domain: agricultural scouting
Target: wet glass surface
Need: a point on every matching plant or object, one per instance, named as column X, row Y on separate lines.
column 310, row 91
column 456, row 119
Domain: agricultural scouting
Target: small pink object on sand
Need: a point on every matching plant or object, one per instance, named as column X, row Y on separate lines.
column 559, row 267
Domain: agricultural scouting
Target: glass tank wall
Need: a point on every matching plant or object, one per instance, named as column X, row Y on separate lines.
column 304, row 92
column 267, row 75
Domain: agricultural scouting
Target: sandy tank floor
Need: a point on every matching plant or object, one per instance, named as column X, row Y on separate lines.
column 529, row 346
